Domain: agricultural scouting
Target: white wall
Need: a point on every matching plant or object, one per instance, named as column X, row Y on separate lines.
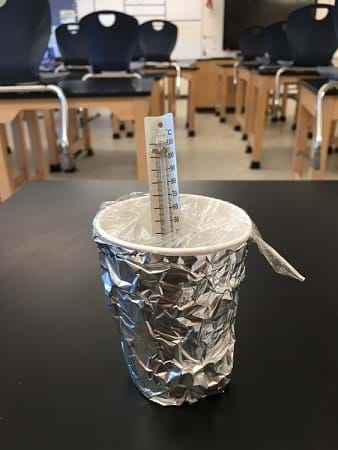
column 200, row 29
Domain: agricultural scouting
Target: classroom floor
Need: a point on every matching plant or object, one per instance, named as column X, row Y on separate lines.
column 216, row 153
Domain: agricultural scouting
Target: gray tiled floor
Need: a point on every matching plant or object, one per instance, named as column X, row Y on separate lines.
column 217, row 152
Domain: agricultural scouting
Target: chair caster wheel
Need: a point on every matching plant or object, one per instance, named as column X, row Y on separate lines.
column 9, row 151
column 222, row 120
column 244, row 137
column 330, row 150
column 255, row 165
column 237, row 128
column 55, row 168
column 248, row 149
column 310, row 135
column 191, row 133
column 78, row 153
column 187, row 125
column 274, row 119
column 116, row 136
column 122, row 127
column 282, row 119
column 217, row 114
column 294, row 127
column 72, row 170
column 130, row 134
column 89, row 152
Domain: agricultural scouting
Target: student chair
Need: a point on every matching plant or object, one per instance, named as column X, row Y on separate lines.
column 21, row 53
column 110, row 38
column 158, row 39
column 276, row 44
column 312, row 43
column 71, row 46
column 252, row 46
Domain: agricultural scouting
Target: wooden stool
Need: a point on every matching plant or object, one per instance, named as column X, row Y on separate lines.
column 306, row 116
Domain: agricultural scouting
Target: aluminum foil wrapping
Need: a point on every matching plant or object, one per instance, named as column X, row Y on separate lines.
column 176, row 314
column 176, row 319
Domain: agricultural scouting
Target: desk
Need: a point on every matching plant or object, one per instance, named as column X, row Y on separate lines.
column 262, row 83
column 307, row 113
column 189, row 71
column 207, row 97
column 128, row 99
column 63, row 380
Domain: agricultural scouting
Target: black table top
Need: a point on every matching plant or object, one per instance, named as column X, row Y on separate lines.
column 63, row 381
column 103, row 87
column 314, row 84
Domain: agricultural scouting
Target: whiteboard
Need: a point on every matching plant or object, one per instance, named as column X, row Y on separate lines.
column 85, row 7
column 115, row 5
column 189, row 44
column 144, row 2
column 184, row 10
column 146, row 10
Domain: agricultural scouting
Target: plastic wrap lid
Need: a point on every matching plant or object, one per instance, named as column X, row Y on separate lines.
column 208, row 225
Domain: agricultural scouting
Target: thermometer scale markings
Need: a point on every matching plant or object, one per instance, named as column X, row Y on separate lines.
column 162, row 170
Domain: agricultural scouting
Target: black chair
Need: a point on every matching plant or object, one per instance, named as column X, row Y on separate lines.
column 276, row 43
column 158, row 40
column 71, row 45
column 252, row 43
column 312, row 42
column 110, row 46
column 252, row 47
column 24, row 34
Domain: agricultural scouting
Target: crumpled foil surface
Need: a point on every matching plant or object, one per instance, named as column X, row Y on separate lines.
column 176, row 314
column 176, row 318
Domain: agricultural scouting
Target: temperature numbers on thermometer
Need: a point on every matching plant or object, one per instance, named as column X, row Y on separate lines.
column 162, row 171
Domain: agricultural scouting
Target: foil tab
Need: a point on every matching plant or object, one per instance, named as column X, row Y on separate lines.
column 176, row 318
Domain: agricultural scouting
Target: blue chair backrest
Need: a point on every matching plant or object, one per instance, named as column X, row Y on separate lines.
column 24, row 33
column 158, row 40
column 276, row 43
column 251, row 43
column 110, row 39
column 71, row 44
column 312, row 41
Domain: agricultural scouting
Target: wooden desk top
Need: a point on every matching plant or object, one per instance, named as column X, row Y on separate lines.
column 63, row 380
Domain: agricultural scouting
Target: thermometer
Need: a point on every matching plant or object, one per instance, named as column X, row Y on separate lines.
column 162, row 175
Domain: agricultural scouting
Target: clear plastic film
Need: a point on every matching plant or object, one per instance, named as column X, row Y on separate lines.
column 175, row 300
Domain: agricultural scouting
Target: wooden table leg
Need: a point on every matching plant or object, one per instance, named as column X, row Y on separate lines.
column 157, row 98
column 300, row 152
column 116, row 124
column 40, row 165
column 260, row 101
column 129, row 124
column 86, row 133
column 52, row 142
column 327, row 125
column 240, row 95
column 20, row 146
column 141, row 110
column 249, row 109
column 172, row 94
column 192, row 106
column 223, row 96
column 6, row 179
